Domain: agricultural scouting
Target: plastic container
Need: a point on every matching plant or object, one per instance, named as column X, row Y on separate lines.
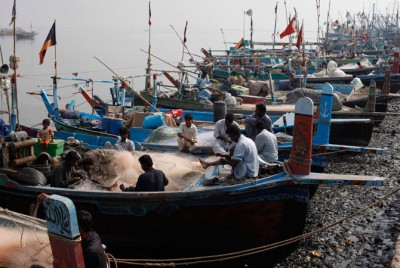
column 219, row 110
column 153, row 121
column 115, row 125
column 105, row 123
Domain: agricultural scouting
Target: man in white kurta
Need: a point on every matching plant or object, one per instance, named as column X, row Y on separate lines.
column 266, row 143
column 246, row 154
column 187, row 135
column 223, row 143
column 244, row 159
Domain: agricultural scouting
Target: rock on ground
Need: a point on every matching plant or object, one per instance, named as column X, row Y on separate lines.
column 367, row 239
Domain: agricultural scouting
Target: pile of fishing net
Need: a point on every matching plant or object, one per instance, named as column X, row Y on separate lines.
column 162, row 133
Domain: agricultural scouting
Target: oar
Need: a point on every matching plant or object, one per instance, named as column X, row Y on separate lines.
column 127, row 85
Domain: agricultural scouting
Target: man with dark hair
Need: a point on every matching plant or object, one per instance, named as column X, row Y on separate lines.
column 244, row 157
column 266, row 143
column 63, row 174
column 260, row 114
column 187, row 135
column 152, row 180
column 93, row 252
column 222, row 142
column 124, row 144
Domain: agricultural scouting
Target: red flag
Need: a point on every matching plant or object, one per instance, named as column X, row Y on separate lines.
column 289, row 29
column 149, row 14
column 300, row 38
column 184, row 34
column 50, row 41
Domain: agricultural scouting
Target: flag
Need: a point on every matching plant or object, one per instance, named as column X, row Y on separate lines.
column 249, row 12
column 276, row 7
column 239, row 44
column 300, row 38
column 50, row 41
column 149, row 14
column 184, row 33
column 13, row 14
column 289, row 29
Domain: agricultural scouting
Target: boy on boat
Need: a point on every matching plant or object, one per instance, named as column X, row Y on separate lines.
column 124, row 144
column 45, row 135
column 187, row 135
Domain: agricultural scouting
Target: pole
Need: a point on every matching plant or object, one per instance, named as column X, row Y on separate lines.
column 276, row 19
column 127, row 86
column 14, row 106
column 223, row 37
column 55, row 96
column 148, row 70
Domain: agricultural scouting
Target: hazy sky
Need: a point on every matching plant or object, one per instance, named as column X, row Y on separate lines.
column 202, row 15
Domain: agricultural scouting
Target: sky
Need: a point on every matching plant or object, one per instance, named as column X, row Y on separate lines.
column 201, row 15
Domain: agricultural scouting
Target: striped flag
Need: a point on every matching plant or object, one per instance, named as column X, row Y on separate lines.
column 184, row 33
column 149, row 14
column 50, row 41
column 13, row 14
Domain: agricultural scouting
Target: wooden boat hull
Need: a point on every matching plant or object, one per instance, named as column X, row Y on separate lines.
column 72, row 129
column 366, row 79
column 182, row 224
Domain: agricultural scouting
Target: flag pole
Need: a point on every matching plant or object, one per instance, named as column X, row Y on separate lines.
column 55, row 81
column 14, row 62
column 276, row 19
column 148, row 70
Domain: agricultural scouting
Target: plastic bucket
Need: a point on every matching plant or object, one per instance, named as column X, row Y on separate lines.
column 115, row 125
column 105, row 123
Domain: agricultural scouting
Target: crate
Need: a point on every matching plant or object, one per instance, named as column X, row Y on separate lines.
column 55, row 148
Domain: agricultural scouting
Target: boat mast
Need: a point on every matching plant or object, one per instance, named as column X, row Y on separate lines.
column 148, row 70
column 276, row 19
column 14, row 64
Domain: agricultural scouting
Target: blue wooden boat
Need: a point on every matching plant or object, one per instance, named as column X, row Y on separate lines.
column 202, row 220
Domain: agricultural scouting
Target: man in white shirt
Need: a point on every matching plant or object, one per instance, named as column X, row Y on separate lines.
column 187, row 135
column 266, row 143
column 124, row 144
column 222, row 142
column 244, row 158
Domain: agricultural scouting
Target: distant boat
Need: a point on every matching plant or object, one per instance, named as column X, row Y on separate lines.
column 19, row 33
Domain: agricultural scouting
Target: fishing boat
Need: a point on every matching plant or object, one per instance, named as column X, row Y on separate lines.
column 202, row 219
column 341, row 138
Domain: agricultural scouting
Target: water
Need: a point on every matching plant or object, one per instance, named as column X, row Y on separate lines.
column 76, row 49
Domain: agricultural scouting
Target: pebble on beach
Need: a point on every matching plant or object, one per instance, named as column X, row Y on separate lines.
column 367, row 239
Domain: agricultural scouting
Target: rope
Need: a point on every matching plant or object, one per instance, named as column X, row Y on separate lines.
column 300, row 160
column 238, row 254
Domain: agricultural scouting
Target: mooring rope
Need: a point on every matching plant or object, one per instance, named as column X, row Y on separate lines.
column 248, row 252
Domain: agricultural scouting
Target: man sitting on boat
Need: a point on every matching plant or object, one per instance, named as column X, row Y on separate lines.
column 266, row 143
column 124, row 144
column 223, row 143
column 63, row 174
column 244, row 158
column 152, row 180
column 187, row 135
column 202, row 84
column 236, row 79
column 260, row 114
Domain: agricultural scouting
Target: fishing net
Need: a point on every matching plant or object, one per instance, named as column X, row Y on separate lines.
column 162, row 133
